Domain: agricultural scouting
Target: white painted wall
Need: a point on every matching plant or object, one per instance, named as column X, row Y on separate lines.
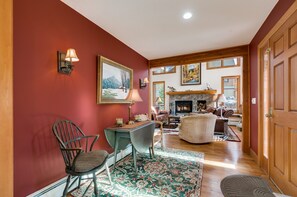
column 213, row 77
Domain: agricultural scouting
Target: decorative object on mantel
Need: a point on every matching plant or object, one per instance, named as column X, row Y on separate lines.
column 208, row 86
column 191, row 74
column 114, row 82
column 172, row 89
column 193, row 92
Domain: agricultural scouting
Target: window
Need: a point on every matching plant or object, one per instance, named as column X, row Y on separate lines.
column 159, row 94
column 164, row 70
column 231, row 90
column 224, row 63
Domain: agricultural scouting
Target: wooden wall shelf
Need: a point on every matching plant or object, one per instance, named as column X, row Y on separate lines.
column 193, row 92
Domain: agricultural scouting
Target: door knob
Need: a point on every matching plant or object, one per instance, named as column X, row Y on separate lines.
column 269, row 114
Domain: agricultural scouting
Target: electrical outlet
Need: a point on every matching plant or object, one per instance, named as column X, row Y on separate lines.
column 254, row 101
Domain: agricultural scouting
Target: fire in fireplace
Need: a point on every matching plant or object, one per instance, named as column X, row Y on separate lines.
column 183, row 106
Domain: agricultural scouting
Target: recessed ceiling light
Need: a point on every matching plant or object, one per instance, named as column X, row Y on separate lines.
column 187, row 15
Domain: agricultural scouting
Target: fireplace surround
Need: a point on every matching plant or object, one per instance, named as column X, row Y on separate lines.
column 190, row 97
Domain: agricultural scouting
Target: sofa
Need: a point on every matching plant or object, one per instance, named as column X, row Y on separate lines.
column 197, row 128
column 226, row 113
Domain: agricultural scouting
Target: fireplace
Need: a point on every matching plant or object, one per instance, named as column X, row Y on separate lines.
column 183, row 106
column 201, row 105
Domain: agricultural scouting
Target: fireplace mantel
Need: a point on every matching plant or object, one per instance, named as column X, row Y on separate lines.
column 193, row 92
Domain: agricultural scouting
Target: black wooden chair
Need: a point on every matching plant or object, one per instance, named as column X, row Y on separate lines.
column 79, row 158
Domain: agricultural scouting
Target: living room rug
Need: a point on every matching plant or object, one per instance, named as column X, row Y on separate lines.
column 230, row 136
column 171, row 172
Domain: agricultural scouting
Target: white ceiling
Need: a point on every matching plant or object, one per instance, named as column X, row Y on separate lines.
column 156, row 29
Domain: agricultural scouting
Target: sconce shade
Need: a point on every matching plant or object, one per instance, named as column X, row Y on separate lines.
column 65, row 61
column 134, row 96
column 145, row 80
column 71, row 56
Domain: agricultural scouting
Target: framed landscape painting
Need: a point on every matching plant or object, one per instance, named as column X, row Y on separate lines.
column 114, row 82
column 191, row 74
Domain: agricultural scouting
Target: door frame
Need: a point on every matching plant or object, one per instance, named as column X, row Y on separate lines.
column 6, row 97
column 264, row 42
column 238, row 51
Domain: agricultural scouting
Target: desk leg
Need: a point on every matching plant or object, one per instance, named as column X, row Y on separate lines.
column 134, row 158
column 115, row 150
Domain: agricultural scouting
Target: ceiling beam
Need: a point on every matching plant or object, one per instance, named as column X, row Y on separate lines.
column 200, row 57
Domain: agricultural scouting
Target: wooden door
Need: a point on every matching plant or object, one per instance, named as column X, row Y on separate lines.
column 283, row 120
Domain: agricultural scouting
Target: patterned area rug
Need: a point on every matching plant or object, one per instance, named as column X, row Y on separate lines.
column 229, row 136
column 171, row 172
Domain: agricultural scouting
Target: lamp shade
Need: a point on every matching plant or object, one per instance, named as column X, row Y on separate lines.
column 134, row 96
column 71, row 56
column 222, row 99
column 145, row 80
column 158, row 100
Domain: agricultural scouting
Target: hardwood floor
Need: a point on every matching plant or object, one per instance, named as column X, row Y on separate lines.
column 221, row 159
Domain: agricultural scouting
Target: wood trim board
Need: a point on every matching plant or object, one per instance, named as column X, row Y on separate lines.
column 6, row 98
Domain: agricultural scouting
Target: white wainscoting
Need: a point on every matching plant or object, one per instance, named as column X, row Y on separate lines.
column 56, row 188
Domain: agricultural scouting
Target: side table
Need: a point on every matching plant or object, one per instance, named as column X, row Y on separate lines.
column 173, row 120
column 221, row 126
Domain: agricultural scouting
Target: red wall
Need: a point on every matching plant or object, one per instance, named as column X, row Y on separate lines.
column 277, row 12
column 41, row 95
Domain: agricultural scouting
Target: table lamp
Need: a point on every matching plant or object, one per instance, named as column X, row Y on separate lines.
column 133, row 97
column 158, row 101
column 221, row 100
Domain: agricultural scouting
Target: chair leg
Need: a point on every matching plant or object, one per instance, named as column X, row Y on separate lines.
column 66, row 187
column 79, row 180
column 95, row 184
column 134, row 158
column 108, row 173
column 152, row 151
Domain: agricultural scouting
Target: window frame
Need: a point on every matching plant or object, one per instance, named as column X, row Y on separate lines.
column 162, row 73
column 222, row 63
column 237, row 77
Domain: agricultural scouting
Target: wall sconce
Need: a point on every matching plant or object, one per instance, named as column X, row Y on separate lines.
column 65, row 61
column 142, row 84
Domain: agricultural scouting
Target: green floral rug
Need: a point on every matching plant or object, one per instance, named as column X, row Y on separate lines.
column 171, row 172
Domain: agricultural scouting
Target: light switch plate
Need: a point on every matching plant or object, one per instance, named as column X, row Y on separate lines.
column 254, row 101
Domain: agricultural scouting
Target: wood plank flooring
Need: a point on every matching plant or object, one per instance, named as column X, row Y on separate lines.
column 222, row 158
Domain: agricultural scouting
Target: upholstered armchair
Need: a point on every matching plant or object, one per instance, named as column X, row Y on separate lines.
column 197, row 128
column 159, row 115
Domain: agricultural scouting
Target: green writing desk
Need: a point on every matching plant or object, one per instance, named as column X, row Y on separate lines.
column 140, row 135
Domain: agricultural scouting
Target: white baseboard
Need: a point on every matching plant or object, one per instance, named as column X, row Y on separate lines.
column 56, row 188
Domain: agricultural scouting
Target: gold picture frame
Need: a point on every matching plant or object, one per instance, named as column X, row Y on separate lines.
column 191, row 74
column 114, row 81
